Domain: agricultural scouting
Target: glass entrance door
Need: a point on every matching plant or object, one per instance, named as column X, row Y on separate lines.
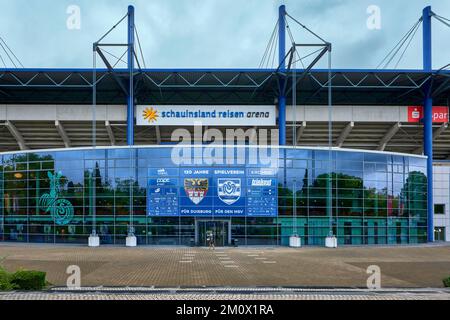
column 439, row 234
column 220, row 231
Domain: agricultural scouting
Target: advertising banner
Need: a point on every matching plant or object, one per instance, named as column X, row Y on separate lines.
column 208, row 115
column 440, row 114
column 207, row 192
column 162, row 192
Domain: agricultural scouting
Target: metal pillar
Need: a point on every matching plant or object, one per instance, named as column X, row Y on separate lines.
column 282, row 63
column 428, row 118
column 426, row 16
column 130, row 102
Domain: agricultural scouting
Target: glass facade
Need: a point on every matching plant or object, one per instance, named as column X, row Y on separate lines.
column 364, row 198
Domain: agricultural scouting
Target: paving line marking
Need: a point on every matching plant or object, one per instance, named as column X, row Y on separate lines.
column 227, row 262
column 260, row 258
column 185, row 261
column 231, row 266
column 269, row 262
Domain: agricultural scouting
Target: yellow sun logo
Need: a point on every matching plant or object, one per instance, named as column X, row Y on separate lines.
column 150, row 114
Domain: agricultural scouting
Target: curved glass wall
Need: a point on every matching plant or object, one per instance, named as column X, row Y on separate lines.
column 362, row 197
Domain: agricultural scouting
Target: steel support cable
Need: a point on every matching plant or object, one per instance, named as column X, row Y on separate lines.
column 135, row 51
column 399, row 43
column 119, row 59
column 138, row 63
column 294, row 136
column 313, row 63
column 7, row 54
column 17, row 59
column 271, row 48
column 441, row 17
column 303, row 58
column 408, row 35
column 407, row 46
column 306, row 28
column 3, row 61
column 275, row 47
column 444, row 67
column 135, row 57
column 294, row 102
column 308, row 55
column 402, row 43
column 296, row 51
column 442, row 20
column 272, row 52
column 140, row 48
column 293, row 43
column 117, row 62
column 113, row 27
column 94, row 132
column 268, row 55
column 131, row 92
column 330, row 146
column 268, row 47
column 266, row 51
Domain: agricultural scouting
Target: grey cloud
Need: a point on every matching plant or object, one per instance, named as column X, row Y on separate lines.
column 214, row 33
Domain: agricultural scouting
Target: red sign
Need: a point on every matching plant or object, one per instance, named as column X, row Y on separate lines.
column 440, row 114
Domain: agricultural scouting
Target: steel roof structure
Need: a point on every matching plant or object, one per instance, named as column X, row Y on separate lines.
column 222, row 86
column 360, row 88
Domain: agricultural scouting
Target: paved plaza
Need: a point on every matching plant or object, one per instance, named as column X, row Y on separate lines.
column 232, row 295
column 256, row 267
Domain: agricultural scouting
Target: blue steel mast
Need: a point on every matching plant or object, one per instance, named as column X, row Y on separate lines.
column 282, row 64
column 130, row 98
column 428, row 118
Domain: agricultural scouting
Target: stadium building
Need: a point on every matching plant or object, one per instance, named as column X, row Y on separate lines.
column 90, row 153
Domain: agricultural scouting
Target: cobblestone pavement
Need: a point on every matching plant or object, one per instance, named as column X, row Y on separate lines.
column 401, row 267
column 231, row 296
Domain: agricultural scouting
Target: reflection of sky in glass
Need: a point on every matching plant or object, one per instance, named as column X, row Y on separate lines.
column 74, row 176
column 384, row 173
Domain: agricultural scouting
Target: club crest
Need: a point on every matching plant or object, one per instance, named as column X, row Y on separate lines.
column 229, row 190
column 196, row 189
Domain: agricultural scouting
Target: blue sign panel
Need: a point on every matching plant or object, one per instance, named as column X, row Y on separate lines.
column 262, row 192
column 262, row 196
column 162, row 192
column 196, row 197
column 208, row 192
column 229, row 199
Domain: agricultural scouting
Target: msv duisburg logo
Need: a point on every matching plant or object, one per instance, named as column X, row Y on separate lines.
column 229, row 190
column 196, row 189
column 60, row 209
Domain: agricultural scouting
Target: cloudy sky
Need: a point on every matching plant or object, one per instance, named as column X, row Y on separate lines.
column 216, row 33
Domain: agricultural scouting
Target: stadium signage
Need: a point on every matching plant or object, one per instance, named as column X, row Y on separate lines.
column 415, row 114
column 264, row 115
column 208, row 192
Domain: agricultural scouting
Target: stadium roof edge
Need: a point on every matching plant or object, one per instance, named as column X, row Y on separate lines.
column 221, row 70
column 221, row 86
